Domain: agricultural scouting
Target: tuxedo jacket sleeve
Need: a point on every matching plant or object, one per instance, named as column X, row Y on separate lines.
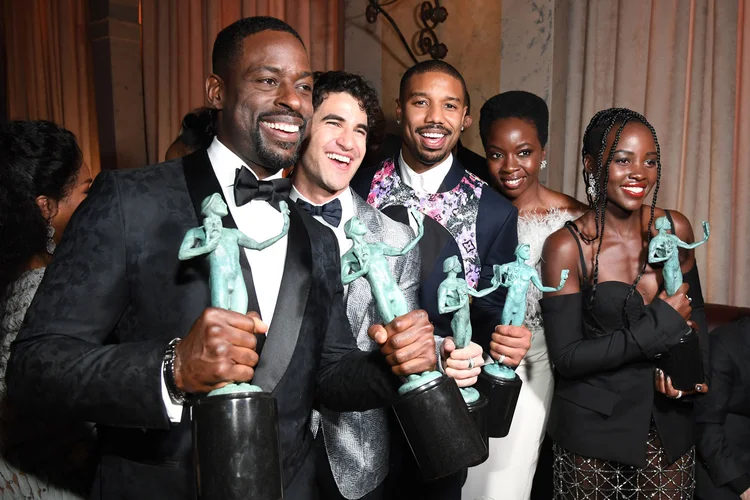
column 574, row 355
column 723, row 414
column 497, row 238
column 61, row 360
column 348, row 379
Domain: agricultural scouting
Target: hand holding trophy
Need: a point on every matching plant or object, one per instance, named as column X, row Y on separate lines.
column 431, row 411
column 683, row 364
column 235, row 428
column 497, row 380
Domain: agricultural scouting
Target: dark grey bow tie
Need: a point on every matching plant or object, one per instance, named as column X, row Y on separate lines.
column 331, row 211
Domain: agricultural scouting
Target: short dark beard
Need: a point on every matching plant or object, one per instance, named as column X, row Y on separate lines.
column 426, row 160
column 271, row 160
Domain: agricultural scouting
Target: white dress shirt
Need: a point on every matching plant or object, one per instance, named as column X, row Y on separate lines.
column 426, row 182
column 259, row 221
column 347, row 212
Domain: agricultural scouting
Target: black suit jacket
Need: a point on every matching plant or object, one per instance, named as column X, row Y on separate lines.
column 115, row 294
column 496, row 239
column 723, row 415
column 604, row 396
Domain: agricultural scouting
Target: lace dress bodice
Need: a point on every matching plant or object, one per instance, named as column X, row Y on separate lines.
column 58, row 457
column 12, row 312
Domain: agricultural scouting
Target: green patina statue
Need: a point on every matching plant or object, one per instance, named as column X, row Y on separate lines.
column 228, row 290
column 368, row 260
column 453, row 297
column 664, row 247
column 516, row 277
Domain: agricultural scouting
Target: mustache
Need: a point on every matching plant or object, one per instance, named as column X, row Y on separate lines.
column 434, row 128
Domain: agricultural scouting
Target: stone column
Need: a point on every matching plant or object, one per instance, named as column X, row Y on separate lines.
column 115, row 33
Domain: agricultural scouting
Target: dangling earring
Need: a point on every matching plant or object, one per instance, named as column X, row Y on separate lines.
column 50, row 242
column 592, row 191
column 543, row 165
column 398, row 122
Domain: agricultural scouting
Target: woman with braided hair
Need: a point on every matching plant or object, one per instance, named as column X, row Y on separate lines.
column 620, row 428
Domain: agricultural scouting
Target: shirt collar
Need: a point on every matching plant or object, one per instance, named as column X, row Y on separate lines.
column 345, row 197
column 428, row 181
column 225, row 164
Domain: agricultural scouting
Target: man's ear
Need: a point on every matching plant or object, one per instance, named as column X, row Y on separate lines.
column 215, row 91
column 468, row 120
column 47, row 206
column 399, row 111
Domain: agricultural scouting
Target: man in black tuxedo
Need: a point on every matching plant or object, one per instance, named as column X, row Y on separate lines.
column 116, row 305
column 463, row 217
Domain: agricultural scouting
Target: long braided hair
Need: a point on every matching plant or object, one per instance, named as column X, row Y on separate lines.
column 594, row 145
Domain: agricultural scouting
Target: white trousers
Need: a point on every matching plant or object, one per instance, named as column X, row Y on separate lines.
column 508, row 473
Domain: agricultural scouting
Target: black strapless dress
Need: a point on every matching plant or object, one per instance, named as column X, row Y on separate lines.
column 581, row 477
column 606, row 416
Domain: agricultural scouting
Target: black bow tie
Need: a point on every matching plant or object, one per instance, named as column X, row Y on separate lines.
column 247, row 187
column 331, row 211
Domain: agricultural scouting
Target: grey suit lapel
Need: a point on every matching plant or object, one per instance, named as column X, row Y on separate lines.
column 359, row 296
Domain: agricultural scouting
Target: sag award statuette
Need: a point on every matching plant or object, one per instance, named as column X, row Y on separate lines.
column 683, row 363
column 453, row 297
column 431, row 411
column 235, row 428
column 498, row 381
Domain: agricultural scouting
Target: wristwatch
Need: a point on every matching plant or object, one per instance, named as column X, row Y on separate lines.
column 175, row 394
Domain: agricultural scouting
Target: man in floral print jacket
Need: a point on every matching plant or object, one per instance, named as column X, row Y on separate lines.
column 464, row 217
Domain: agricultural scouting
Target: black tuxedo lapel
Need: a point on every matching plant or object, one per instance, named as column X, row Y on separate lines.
column 290, row 305
column 201, row 182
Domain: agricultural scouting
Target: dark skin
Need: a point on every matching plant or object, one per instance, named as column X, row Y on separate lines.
column 632, row 175
column 433, row 103
column 514, row 154
column 274, row 77
column 270, row 84
column 514, row 151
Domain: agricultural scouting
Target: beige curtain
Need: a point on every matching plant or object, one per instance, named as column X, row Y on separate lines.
column 684, row 64
column 49, row 68
column 178, row 36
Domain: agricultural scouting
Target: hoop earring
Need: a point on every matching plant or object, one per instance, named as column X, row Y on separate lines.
column 50, row 247
column 543, row 165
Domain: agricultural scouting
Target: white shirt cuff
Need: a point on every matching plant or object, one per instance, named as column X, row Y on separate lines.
column 174, row 411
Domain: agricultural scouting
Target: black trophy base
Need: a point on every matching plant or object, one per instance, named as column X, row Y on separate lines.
column 440, row 430
column 503, row 395
column 479, row 411
column 683, row 363
column 236, row 447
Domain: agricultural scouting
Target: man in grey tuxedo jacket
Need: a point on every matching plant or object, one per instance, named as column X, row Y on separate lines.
column 353, row 447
